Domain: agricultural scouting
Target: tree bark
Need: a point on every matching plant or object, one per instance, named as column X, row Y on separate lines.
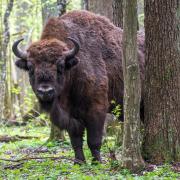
column 118, row 13
column 56, row 134
column 18, row 78
column 84, row 4
column 61, row 7
column 132, row 90
column 6, row 37
column 162, row 81
column 2, row 81
column 52, row 9
column 102, row 7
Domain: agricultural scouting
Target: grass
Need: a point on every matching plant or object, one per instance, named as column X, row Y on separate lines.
column 61, row 168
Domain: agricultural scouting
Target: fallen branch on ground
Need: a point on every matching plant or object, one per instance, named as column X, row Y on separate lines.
column 34, row 158
column 14, row 166
column 14, row 138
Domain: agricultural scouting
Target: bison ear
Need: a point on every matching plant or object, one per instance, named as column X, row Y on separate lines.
column 22, row 64
column 69, row 63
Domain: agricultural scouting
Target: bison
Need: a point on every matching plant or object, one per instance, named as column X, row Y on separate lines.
column 75, row 70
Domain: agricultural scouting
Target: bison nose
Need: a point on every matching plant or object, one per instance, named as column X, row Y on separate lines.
column 45, row 89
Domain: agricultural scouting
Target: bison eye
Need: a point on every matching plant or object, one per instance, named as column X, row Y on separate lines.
column 30, row 67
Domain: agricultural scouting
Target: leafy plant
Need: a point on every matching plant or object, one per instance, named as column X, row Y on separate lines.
column 117, row 109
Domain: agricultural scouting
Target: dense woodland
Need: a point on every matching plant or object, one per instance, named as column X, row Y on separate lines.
column 140, row 146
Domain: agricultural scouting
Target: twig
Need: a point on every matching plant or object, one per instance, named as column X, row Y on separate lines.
column 14, row 138
column 26, row 158
column 12, row 166
column 31, row 158
column 18, row 33
column 38, row 148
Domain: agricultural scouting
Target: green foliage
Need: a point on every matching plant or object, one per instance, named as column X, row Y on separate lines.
column 62, row 168
column 162, row 172
column 117, row 109
column 28, row 104
column 74, row 5
column 29, row 98
column 141, row 20
column 16, row 90
column 29, row 21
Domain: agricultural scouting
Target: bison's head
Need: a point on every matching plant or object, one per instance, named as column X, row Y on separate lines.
column 47, row 62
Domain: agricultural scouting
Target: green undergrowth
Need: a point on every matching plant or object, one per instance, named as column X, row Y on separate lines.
column 62, row 167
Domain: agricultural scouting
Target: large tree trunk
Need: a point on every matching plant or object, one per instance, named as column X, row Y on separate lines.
column 162, row 81
column 102, row 7
column 131, row 155
column 118, row 13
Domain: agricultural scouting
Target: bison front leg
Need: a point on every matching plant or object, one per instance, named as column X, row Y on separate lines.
column 76, row 137
column 95, row 126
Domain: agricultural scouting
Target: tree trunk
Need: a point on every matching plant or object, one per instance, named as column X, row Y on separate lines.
column 61, row 6
column 19, row 78
column 4, row 84
column 102, row 7
column 56, row 134
column 51, row 9
column 84, row 4
column 1, row 63
column 162, row 81
column 118, row 13
column 132, row 90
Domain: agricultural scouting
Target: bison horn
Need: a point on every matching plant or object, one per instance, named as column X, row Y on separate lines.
column 74, row 51
column 17, row 51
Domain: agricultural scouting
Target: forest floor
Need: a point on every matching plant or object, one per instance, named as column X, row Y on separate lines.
column 28, row 155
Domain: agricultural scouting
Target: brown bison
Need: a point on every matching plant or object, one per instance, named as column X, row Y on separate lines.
column 75, row 70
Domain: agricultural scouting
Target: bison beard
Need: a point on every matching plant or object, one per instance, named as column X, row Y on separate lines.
column 76, row 85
